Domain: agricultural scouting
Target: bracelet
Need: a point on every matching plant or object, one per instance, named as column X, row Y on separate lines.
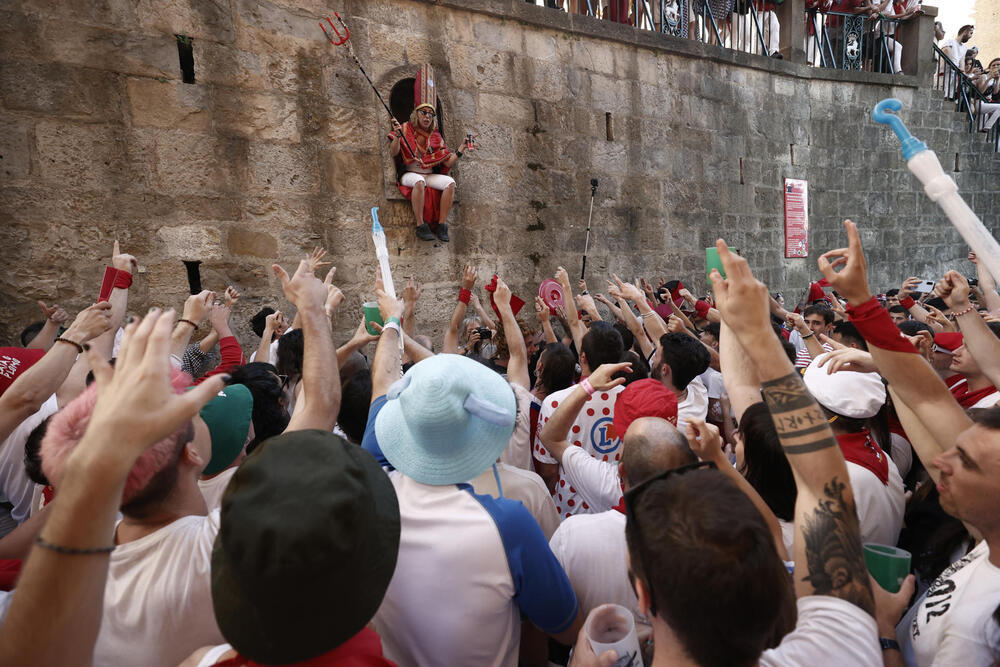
column 193, row 324
column 395, row 320
column 808, row 335
column 79, row 348
column 587, row 387
column 458, row 153
column 888, row 644
column 649, row 314
column 72, row 551
column 391, row 324
column 965, row 312
column 464, row 295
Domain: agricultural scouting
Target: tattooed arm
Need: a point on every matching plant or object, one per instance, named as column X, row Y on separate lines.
column 828, row 555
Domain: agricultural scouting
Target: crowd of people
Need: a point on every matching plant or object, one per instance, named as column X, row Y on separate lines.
column 714, row 465
column 986, row 80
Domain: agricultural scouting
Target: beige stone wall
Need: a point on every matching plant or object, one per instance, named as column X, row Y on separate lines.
column 987, row 36
column 279, row 147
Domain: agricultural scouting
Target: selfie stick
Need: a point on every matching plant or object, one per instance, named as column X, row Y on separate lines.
column 941, row 188
column 586, row 245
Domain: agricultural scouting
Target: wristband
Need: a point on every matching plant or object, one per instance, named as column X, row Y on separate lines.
column 458, row 153
column 808, row 335
column 876, row 327
column 587, row 387
column 464, row 295
column 888, row 644
column 396, row 320
column 79, row 348
column 72, row 551
column 123, row 280
column 193, row 324
column 907, row 302
column 393, row 323
column 965, row 312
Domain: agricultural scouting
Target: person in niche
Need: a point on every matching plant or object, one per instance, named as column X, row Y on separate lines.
column 426, row 161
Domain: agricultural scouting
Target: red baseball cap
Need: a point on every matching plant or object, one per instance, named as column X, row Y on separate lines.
column 948, row 341
column 14, row 361
column 644, row 398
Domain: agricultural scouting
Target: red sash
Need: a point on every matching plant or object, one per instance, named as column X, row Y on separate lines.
column 861, row 449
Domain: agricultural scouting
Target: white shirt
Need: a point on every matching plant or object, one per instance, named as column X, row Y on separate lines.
column 593, row 431
column 15, row 485
column 694, row 405
column 596, row 483
column 829, row 631
column 272, row 354
column 803, row 358
column 518, row 452
column 592, row 550
column 712, row 379
column 466, row 564
column 158, row 597
column 524, row 486
column 952, row 624
column 956, row 50
column 212, row 489
column 880, row 506
column 901, row 453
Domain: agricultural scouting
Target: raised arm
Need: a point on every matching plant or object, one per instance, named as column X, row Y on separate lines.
column 544, row 319
column 987, row 285
column 706, row 443
column 196, row 309
column 616, row 312
column 738, row 374
column 915, row 382
column 798, row 323
column 32, row 388
column 826, row 522
column 387, row 364
column 978, row 338
column 272, row 323
column 633, row 323
column 320, row 374
column 651, row 321
column 411, row 294
column 555, row 433
column 517, row 366
column 576, row 327
column 464, row 295
column 55, row 317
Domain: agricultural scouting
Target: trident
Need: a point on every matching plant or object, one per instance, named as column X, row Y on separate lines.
column 345, row 39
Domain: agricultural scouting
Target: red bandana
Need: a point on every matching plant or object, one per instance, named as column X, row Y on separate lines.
column 859, row 448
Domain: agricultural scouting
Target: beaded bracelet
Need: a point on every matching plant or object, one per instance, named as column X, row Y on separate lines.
column 965, row 312
column 79, row 348
column 72, row 551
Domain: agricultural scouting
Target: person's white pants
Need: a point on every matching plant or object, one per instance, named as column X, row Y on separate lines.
column 897, row 54
column 435, row 181
column 749, row 41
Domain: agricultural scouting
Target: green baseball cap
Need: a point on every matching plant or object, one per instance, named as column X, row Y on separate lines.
column 228, row 418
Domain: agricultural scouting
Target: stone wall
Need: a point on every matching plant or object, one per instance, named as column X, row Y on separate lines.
column 279, row 146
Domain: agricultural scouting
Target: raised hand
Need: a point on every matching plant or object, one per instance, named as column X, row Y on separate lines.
column 412, row 292
column 274, row 322
column 231, row 296
column 334, row 297
column 797, row 322
column 704, row 439
column 585, row 302
column 954, row 289
column 908, row 288
column 848, row 359
column 742, row 300
column 852, row 280
column 627, row 290
column 361, row 336
column 316, row 259
column 602, row 379
column 973, row 258
column 122, row 261
column 197, row 306
column 541, row 310
column 90, row 323
column 674, row 324
column 562, row 277
column 939, row 317
column 53, row 313
column 469, row 274
column 136, row 404
column 219, row 318
column 647, row 289
column 303, row 289
column 582, row 284
column 502, row 294
column 387, row 305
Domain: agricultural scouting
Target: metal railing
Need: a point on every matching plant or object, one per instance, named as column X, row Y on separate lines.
column 853, row 42
column 969, row 100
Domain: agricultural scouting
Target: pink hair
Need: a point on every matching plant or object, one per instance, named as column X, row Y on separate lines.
column 68, row 425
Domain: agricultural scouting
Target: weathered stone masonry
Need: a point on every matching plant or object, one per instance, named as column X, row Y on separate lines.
column 279, row 146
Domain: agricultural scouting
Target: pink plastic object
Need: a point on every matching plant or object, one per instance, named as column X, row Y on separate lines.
column 343, row 38
column 551, row 292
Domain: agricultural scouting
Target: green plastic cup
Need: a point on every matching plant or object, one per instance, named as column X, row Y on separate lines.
column 888, row 565
column 372, row 314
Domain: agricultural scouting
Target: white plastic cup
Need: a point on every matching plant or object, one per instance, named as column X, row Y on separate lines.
column 612, row 627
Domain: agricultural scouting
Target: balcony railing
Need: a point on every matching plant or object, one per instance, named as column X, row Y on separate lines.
column 969, row 101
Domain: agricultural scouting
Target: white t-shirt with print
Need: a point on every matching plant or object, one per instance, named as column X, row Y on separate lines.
column 952, row 624
column 829, row 631
column 593, row 431
column 694, row 405
column 158, row 597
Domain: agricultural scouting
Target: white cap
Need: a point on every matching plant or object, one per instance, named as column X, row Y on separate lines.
column 847, row 393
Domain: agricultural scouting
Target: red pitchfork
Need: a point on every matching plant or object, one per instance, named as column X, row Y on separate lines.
column 345, row 39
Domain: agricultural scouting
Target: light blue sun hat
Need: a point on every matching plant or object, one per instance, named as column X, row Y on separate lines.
column 446, row 421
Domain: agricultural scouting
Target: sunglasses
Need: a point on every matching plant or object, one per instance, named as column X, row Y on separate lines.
column 425, row 112
column 632, row 500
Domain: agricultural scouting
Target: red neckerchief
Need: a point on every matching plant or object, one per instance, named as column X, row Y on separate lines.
column 620, row 507
column 362, row 650
column 966, row 398
column 430, row 149
column 859, row 448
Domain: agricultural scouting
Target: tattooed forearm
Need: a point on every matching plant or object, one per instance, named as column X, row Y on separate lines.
column 800, row 423
column 836, row 563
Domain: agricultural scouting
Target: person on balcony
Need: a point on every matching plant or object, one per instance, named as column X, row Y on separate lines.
column 989, row 85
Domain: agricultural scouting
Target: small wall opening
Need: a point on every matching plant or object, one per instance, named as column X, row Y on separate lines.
column 185, row 53
column 401, row 103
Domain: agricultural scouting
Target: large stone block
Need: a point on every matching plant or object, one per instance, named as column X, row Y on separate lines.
column 195, row 163
column 255, row 244
column 88, row 156
column 169, row 104
column 72, row 92
column 276, row 167
column 15, row 152
column 191, row 242
column 208, row 20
